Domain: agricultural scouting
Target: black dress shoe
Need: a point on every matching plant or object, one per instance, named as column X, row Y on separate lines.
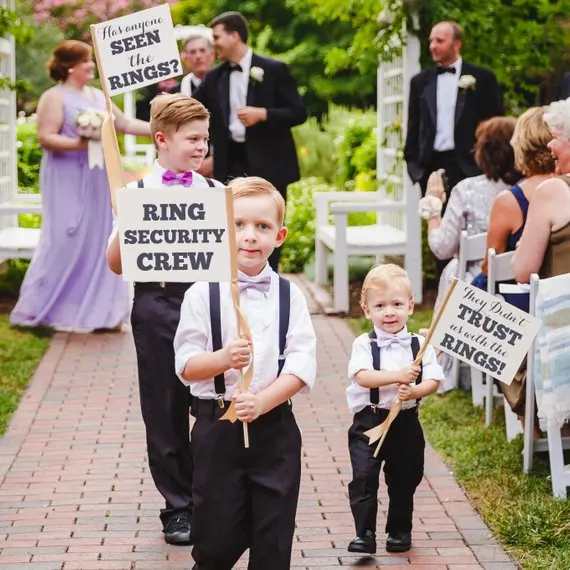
column 399, row 542
column 364, row 544
column 177, row 530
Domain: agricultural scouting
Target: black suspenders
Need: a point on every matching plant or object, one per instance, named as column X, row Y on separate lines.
column 375, row 349
column 216, row 326
column 140, row 182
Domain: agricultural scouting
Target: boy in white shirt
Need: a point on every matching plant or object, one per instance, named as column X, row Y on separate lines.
column 381, row 369
column 246, row 498
column 179, row 127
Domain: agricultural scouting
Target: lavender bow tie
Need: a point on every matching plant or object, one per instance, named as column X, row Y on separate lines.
column 260, row 283
column 169, row 178
column 404, row 340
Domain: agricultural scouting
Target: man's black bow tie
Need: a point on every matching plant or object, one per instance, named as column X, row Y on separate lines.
column 237, row 67
column 441, row 70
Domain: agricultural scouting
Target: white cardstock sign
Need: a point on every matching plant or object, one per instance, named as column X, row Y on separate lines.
column 485, row 331
column 174, row 234
column 137, row 50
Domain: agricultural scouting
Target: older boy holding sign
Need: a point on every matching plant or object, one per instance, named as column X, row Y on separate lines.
column 179, row 127
column 247, row 498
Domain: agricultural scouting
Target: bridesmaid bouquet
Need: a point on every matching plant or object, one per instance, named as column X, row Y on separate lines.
column 88, row 123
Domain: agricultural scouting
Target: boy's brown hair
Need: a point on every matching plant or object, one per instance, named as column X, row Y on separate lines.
column 381, row 276
column 257, row 186
column 170, row 111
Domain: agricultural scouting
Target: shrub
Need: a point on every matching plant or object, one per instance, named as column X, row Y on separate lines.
column 29, row 155
column 299, row 247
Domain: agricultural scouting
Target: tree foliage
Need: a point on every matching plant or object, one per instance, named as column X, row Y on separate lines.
column 525, row 42
column 291, row 32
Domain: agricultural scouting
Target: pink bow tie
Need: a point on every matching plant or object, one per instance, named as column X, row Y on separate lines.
column 385, row 340
column 260, row 283
column 169, row 178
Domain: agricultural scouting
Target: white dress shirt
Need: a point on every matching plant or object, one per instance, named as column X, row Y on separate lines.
column 154, row 180
column 261, row 311
column 187, row 82
column 393, row 357
column 446, row 100
column 239, row 81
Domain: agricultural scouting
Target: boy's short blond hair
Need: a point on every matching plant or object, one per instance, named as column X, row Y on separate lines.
column 257, row 186
column 170, row 111
column 382, row 276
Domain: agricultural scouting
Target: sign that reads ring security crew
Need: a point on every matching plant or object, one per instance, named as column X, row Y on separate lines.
column 137, row 50
column 174, row 234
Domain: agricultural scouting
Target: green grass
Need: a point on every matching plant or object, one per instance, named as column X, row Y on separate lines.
column 20, row 352
column 519, row 509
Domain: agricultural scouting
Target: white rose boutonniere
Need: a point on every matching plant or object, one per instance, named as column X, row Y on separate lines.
column 467, row 82
column 256, row 73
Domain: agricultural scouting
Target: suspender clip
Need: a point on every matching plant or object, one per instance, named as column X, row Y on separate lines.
column 220, row 399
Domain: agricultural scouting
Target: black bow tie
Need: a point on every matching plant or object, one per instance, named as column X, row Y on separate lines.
column 441, row 70
column 235, row 67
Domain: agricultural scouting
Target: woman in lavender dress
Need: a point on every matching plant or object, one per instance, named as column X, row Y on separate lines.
column 68, row 285
column 469, row 207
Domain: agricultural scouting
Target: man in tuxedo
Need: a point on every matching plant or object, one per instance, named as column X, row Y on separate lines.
column 198, row 57
column 253, row 103
column 446, row 104
column 564, row 88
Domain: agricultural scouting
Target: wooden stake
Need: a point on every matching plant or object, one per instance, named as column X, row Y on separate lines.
column 113, row 163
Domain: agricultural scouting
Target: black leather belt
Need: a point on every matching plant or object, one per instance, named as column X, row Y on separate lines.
column 162, row 286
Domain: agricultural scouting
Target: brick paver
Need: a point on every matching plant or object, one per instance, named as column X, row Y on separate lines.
column 76, row 492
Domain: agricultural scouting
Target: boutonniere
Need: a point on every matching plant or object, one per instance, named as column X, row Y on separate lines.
column 256, row 74
column 467, row 82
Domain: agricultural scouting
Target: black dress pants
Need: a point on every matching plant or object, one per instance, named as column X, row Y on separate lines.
column 244, row 498
column 403, row 456
column 238, row 166
column 165, row 401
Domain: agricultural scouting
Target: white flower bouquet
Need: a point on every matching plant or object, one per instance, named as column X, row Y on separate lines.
column 88, row 123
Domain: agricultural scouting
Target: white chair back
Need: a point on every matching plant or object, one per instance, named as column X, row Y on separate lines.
column 499, row 268
column 471, row 248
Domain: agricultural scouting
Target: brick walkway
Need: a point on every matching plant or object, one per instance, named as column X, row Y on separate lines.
column 76, row 492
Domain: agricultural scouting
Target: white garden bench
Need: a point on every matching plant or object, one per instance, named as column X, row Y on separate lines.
column 15, row 241
column 378, row 240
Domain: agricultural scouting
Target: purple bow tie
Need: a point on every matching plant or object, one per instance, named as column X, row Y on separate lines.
column 260, row 283
column 169, row 178
column 385, row 340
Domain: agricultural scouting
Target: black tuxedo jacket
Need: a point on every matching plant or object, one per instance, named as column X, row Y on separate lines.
column 472, row 107
column 564, row 89
column 269, row 144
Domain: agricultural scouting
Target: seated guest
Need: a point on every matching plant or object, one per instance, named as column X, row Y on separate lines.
column 509, row 210
column 545, row 243
column 469, row 205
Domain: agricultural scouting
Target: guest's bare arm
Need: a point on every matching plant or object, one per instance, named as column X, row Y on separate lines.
column 505, row 219
column 130, row 126
column 50, row 122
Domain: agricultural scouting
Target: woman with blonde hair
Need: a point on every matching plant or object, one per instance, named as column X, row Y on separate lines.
column 509, row 211
column 68, row 285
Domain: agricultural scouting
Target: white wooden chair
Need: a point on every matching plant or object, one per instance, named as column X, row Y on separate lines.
column 499, row 269
column 471, row 248
column 554, row 443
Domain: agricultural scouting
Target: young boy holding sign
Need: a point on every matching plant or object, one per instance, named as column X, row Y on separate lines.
column 179, row 126
column 246, row 498
column 381, row 369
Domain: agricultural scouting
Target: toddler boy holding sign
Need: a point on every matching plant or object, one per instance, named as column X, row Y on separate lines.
column 381, row 369
column 179, row 127
column 246, row 498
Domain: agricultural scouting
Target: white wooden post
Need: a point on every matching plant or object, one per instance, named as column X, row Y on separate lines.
column 394, row 78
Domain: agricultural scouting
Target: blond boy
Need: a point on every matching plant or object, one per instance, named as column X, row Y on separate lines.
column 247, row 498
column 381, row 369
column 179, row 127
